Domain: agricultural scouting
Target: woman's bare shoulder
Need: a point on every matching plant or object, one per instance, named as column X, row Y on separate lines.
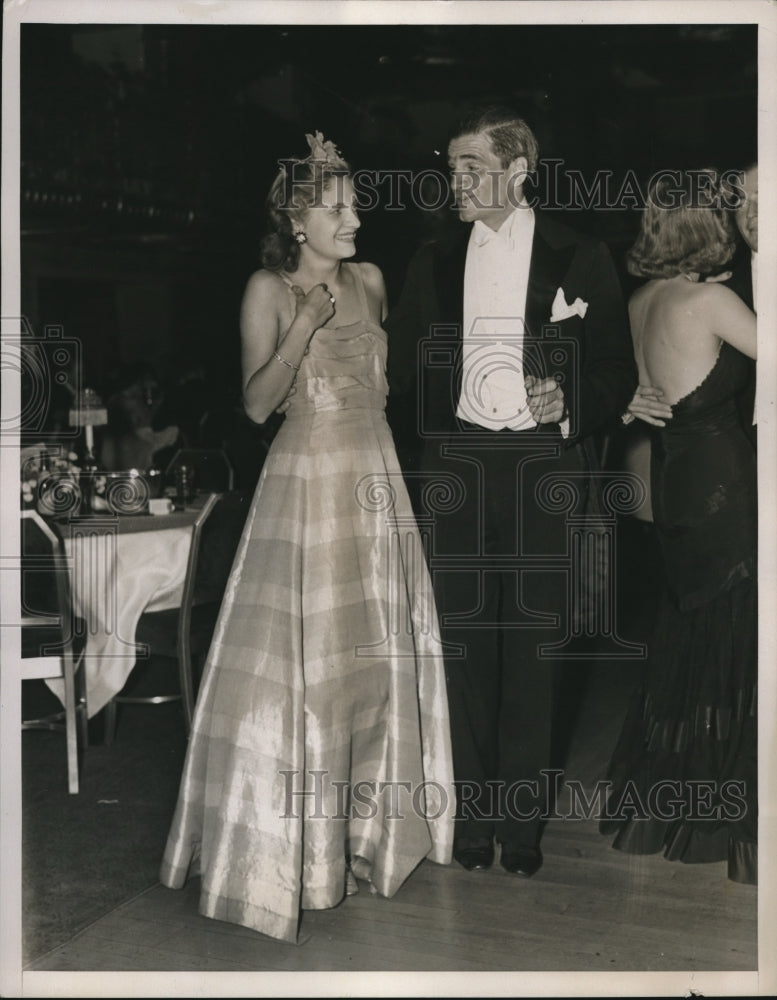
column 264, row 282
column 264, row 305
column 717, row 293
column 643, row 295
column 711, row 302
column 371, row 275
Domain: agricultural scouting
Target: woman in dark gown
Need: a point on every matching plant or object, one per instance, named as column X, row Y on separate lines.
column 683, row 775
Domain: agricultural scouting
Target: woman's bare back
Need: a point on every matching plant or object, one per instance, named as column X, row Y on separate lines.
column 677, row 326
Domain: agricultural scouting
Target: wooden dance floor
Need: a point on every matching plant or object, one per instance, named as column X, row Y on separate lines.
column 590, row 909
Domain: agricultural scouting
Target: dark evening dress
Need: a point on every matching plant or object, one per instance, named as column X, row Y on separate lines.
column 694, row 718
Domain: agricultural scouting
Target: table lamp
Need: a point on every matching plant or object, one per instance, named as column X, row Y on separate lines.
column 89, row 413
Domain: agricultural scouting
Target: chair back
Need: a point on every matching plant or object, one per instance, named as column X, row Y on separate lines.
column 215, row 537
column 47, row 619
column 187, row 596
column 220, row 537
column 212, row 469
column 47, row 633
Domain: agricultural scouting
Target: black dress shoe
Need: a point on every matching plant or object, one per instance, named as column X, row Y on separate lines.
column 474, row 855
column 517, row 860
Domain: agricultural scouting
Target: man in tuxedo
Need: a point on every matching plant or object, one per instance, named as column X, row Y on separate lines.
column 510, row 343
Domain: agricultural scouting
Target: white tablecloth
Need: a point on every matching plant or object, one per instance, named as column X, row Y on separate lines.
column 115, row 577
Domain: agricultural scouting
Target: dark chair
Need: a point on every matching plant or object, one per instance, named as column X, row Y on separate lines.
column 211, row 467
column 48, row 647
column 245, row 443
column 184, row 633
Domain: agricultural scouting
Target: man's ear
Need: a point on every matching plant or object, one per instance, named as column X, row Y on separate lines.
column 518, row 169
column 517, row 172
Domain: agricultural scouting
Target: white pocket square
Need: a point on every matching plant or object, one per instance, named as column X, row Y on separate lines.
column 562, row 310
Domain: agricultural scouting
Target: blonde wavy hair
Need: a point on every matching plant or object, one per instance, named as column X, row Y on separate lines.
column 686, row 227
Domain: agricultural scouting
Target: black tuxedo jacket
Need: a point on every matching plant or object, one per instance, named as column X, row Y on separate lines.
column 591, row 357
column 741, row 282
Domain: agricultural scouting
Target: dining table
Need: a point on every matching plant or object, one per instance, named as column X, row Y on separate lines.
column 121, row 566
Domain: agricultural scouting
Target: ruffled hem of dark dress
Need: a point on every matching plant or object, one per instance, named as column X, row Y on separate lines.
column 693, row 723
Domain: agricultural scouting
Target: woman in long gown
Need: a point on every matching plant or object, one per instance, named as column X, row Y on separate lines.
column 320, row 750
column 684, row 777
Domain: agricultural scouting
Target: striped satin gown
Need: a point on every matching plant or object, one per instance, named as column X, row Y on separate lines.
column 320, row 749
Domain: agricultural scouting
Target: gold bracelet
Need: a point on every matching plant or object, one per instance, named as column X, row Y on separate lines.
column 283, row 361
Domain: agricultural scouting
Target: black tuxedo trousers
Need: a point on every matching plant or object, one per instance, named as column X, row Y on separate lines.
column 500, row 584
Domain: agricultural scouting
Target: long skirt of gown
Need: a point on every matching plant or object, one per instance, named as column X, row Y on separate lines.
column 321, row 736
column 684, row 773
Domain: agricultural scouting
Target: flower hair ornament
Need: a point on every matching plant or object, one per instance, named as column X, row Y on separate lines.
column 324, row 155
column 325, row 151
column 321, row 151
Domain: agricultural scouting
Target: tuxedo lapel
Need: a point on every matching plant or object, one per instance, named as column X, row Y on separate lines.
column 547, row 270
column 548, row 267
column 741, row 280
column 449, row 287
column 449, row 279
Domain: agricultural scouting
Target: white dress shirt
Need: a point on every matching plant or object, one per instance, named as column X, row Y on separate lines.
column 496, row 279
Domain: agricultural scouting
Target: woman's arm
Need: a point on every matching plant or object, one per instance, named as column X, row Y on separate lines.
column 731, row 320
column 647, row 405
column 271, row 357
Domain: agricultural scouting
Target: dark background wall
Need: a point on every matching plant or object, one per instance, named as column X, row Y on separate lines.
column 147, row 150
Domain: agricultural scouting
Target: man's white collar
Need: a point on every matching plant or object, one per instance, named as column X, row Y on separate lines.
column 511, row 230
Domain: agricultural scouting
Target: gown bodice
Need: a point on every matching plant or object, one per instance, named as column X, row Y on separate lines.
column 344, row 367
column 703, row 486
column 711, row 406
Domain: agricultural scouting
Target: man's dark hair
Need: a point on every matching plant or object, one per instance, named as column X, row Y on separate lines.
column 508, row 133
